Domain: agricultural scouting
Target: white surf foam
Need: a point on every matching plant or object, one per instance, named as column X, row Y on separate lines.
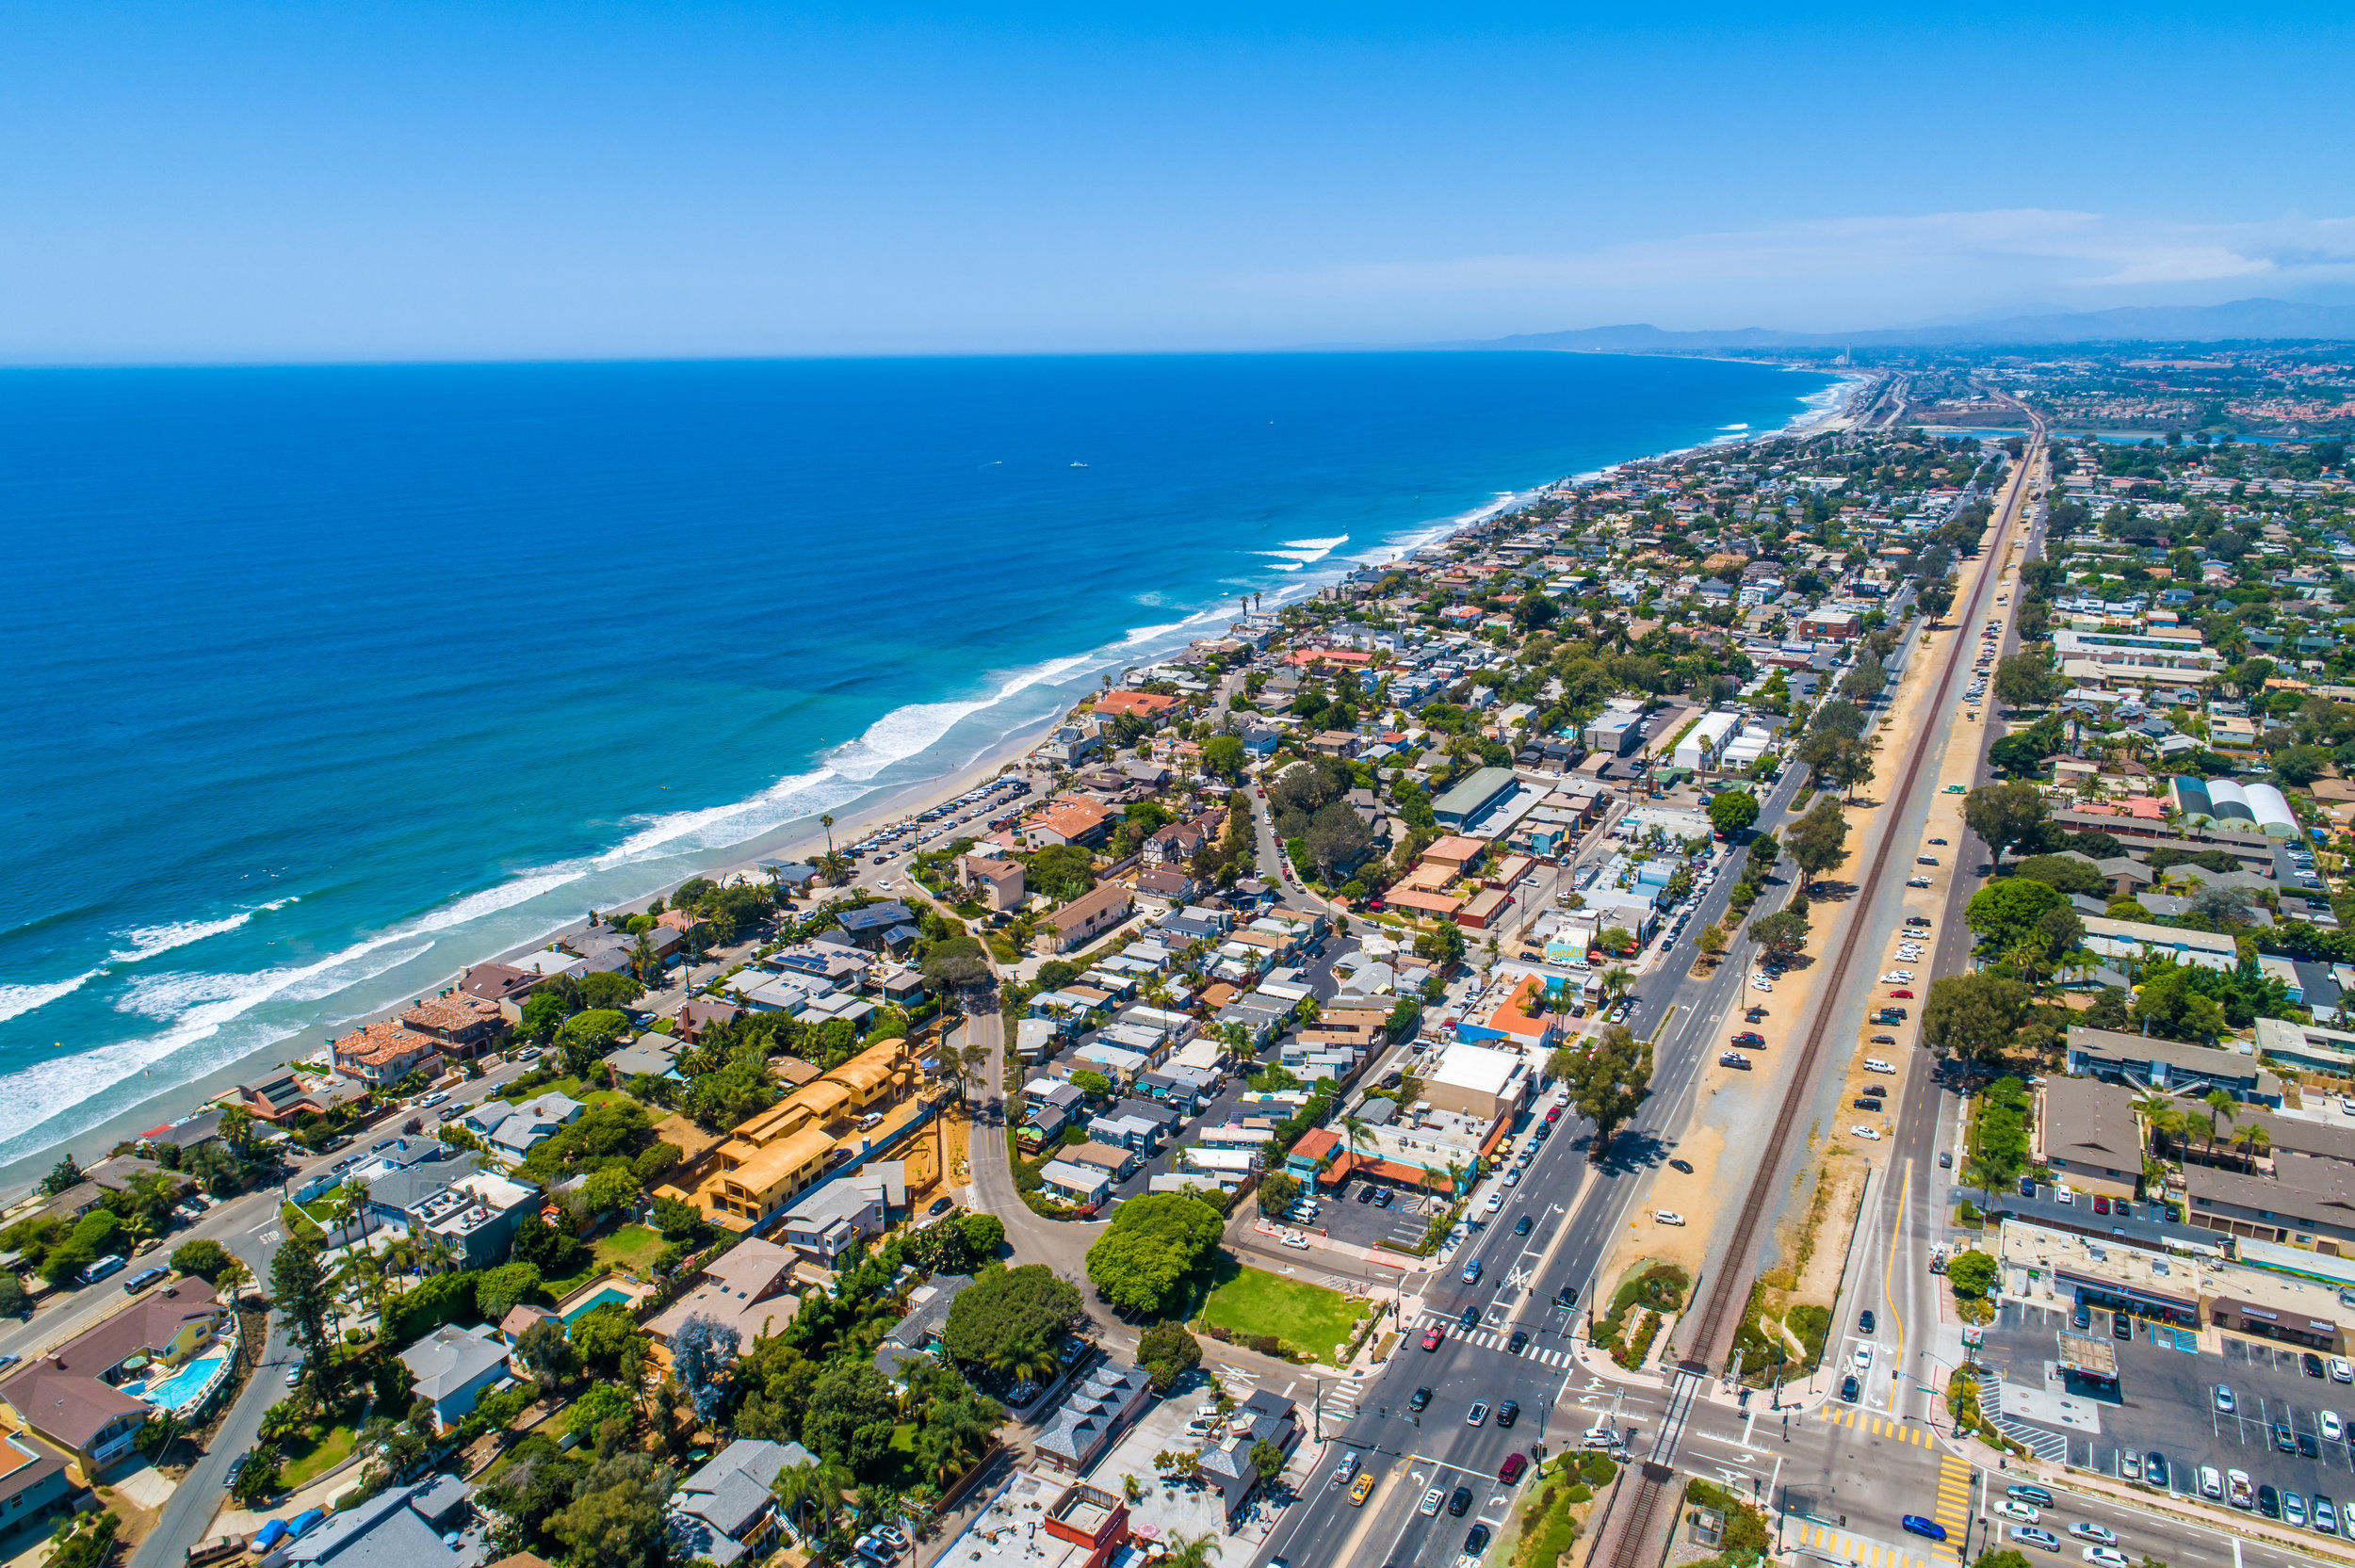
column 146, row 941
column 16, row 1000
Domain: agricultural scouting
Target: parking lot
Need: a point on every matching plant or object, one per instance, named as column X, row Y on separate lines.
column 2165, row 1401
column 1365, row 1224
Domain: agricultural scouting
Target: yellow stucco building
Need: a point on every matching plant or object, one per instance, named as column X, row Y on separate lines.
column 775, row 1156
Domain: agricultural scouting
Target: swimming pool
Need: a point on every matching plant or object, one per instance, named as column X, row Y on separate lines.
column 188, row 1385
column 589, row 1303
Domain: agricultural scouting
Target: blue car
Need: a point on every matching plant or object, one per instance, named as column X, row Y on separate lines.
column 1928, row 1529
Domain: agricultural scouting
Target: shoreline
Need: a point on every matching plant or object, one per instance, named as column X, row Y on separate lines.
column 797, row 838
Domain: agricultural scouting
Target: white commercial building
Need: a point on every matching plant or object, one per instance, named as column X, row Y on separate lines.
column 1702, row 746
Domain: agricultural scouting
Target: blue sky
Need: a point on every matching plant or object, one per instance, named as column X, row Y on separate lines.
column 214, row 182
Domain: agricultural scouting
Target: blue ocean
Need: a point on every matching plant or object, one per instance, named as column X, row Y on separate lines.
column 327, row 682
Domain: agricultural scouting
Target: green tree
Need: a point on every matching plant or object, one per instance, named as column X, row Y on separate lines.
column 607, row 991
column 984, row 1234
column 1783, row 933
column 499, row 1291
column 1009, row 1316
column 299, row 1288
column 1224, row 755
column 610, row 1191
column 1733, row 810
column 615, row 1517
column 1865, row 679
column 1168, row 1352
column 1609, row 1083
column 1973, row 1275
column 2003, row 913
column 2028, row 681
column 2005, row 814
column 1819, row 839
column 1975, row 1016
column 1142, row 1262
column 1277, row 1192
column 2061, row 872
column 956, row 964
column 544, row 1014
column 852, row 1413
column 207, row 1260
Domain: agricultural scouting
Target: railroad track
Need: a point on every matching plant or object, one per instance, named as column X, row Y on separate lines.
column 1728, row 1291
column 1656, row 1487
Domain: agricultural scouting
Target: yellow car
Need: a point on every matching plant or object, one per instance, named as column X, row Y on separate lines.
column 1361, row 1489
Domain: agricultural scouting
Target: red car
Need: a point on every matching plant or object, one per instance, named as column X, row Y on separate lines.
column 1554, row 1114
column 2101, row 1205
column 1432, row 1335
column 1749, row 1037
column 1901, row 992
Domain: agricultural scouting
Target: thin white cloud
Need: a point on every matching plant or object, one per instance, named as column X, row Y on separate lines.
column 1927, row 256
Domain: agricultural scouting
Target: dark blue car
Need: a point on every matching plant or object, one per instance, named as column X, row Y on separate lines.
column 1929, row 1529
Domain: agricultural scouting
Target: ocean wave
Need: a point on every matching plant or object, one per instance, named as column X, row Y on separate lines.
column 199, row 1007
column 146, row 941
column 906, row 731
column 16, row 1000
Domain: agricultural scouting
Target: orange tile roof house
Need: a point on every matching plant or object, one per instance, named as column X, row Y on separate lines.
column 1067, row 821
column 464, row 1025
column 1144, row 704
column 387, row 1052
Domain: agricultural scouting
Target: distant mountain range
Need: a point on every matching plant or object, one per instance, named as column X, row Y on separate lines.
column 2241, row 318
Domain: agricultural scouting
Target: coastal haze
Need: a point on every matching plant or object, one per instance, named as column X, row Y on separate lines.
column 337, row 680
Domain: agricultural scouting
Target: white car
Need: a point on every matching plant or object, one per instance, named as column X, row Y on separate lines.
column 1863, row 1358
column 1431, row 1501
column 2342, row 1370
column 2333, row 1430
column 1666, row 1217
column 1917, row 881
column 2106, row 1556
column 1874, row 1064
column 1760, row 982
column 1496, row 1202
column 1897, row 977
column 1871, row 1132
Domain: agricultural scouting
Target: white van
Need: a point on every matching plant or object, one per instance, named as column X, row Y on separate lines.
column 1874, row 1064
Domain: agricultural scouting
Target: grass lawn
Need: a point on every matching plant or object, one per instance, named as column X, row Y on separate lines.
column 631, row 1246
column 311, row 1456
column 596, row 1093
column 299, row 1223
column 1304, row 1317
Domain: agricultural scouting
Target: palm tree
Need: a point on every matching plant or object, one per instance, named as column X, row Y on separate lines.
column 1617, row 982
column 2222, row 1108
column 1455, row 1177
column 2253, row 1140
column 1192, row 1551
column 1356, row 1130
column 643, row 959
column 811, row 1489
column 825, row 820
